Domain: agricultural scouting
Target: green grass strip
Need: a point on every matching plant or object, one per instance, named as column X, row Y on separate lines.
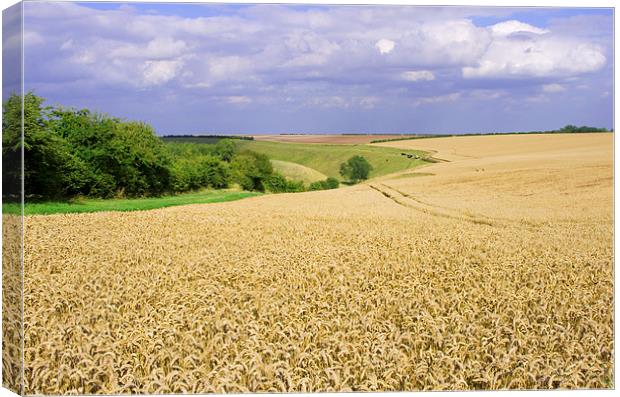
column 137, row 204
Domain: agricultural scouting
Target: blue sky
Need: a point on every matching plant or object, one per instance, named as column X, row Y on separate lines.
column 192, row 68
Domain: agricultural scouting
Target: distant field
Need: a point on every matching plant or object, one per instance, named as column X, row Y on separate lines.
column 297, row 172
column 139, row 204
column 331, row 139
column 463, row 147
column 326, row 159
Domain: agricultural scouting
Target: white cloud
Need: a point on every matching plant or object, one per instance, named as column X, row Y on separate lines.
column 238, row 99
column 537, row 98
column 309, row 49
column 438, row 98
column 158, row 48
column 160, row 72
column 333, row 101
column 385, row 46
column 546, row 56
column 509, row 27
column 85, row 57
column 368, row 102
column 443, row 43
column 553, row 88
column 325, row 57
column 32, row 38
column 67, row 45
column 228, row 68
column 417, row 75
column 487, row 94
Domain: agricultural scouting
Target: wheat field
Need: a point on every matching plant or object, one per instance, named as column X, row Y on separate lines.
column 491, row 271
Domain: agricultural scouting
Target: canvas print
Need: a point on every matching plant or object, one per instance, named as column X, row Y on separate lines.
column 243, row 198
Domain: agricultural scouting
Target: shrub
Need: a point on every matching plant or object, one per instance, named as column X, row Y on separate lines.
column 225, row 149
column 186, row 175
column 317, row 185
column 276, row 183
column 216, row 173
column 329, row 183
column 295, row 186
column 250, row 170
column 355, row 169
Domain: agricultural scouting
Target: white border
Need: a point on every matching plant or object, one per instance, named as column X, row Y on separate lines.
column 507, row 3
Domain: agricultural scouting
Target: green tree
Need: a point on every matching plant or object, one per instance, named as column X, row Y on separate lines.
column 317, row 185
column 331, row 183
column 123, row 158
column 277, row 183
column 583, row 128
column 51, row 170
column 250, row 170
column 355, row 169
column 12, row 146
column 225, row 149
column 216, row 173
column 143, row 163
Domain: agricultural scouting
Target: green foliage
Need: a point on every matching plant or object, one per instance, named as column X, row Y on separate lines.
column 185, row 150
column 355, row 169
column 50, row 168
column 251, row 169
column 583, row 128
column 225, row 149
column 295, row 186
column 276, row 183
column 216, row 173
column 185, row 175
column 121, row 158
column 332, row 183
column 318, row 185
column 329, row 183
column 192, row 173
column 12, row 142
column 78, row 153
column 71, row 152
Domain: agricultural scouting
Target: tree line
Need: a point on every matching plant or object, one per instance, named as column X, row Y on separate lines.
column 76, row 152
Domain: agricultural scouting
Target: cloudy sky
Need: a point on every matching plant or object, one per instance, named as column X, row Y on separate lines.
column 191, row 68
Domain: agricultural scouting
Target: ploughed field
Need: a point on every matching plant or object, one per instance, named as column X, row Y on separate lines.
column 491, row 271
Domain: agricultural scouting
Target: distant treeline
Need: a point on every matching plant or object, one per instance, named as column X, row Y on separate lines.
column 566, row 129
column 71, row 152
column 211, row 136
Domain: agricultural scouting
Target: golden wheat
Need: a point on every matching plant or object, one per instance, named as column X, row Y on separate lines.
column 453, row 281
column 12, row 328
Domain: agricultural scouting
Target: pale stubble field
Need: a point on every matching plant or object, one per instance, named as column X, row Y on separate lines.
column 493, row 270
